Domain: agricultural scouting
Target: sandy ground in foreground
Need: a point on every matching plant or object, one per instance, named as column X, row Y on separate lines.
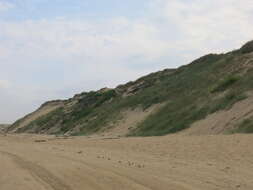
column 176, row 162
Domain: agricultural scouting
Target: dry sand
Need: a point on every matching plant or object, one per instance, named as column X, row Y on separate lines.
column 175, row 162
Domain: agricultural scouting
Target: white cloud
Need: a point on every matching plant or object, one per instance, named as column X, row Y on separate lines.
column 209, row 25
column 4, row 84
column 5, row 6
column 114, row 39
column 101, row 51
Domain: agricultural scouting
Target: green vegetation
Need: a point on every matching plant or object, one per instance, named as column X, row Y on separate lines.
column 227, row 101
column 247, row 48
column 189, row 97
column 44, row 122
column 246, row 126
column 103, row 97
column 225, row 83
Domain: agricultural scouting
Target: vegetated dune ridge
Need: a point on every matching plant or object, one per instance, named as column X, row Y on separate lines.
column 174, row 162
column 168, row 101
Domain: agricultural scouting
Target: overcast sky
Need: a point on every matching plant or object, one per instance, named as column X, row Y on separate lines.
column 52, row 49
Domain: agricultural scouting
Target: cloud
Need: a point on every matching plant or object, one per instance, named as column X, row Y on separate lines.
column 5, row 6
column 64, row 38
column 4, row 84
column 79, row 49
column 208, row 25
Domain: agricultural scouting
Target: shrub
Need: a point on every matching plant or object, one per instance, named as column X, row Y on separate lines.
column 225, row 83
column 247, row 48
column 246, row 126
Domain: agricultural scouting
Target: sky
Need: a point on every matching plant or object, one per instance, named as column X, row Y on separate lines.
column 53, row 49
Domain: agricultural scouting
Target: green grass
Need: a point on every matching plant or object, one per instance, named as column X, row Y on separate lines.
column 247, row 48
column 225, row 84
column 44, row 122
column 191, row 99
column 227, row 101
column 246, row 126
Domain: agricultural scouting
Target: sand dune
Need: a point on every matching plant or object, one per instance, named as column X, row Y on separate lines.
column 173, row 162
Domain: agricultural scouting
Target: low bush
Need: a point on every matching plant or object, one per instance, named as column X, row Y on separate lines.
column 246, row 126
column 225, row 84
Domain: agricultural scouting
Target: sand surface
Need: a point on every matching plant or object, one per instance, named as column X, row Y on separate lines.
column 175, row 162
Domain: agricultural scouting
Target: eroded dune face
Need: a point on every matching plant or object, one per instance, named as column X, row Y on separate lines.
column 173, row 162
